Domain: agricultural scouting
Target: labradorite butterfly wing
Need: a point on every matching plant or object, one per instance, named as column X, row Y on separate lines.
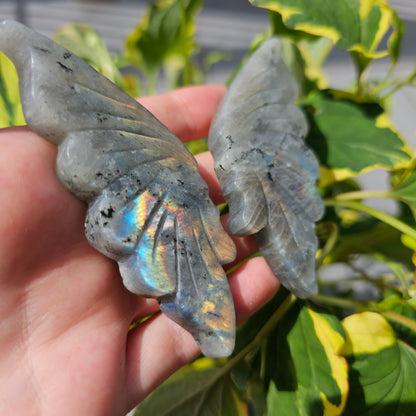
column 267, row 173
column 148, row 208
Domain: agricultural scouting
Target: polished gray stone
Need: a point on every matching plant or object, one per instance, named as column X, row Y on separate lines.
column 148, row 208
column 266, row 171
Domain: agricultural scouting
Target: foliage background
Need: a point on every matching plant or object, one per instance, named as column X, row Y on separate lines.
column 347, row 350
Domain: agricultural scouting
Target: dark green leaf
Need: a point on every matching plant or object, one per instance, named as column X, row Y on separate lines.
column 193, row 391
column 395, row 40
column 247, row 378
column 250, row 328
column 384, row 383
column 407, row 191
column 280, row 29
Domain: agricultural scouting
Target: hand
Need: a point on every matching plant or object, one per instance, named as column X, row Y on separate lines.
column 65, row 344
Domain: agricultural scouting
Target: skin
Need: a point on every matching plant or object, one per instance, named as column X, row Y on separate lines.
column 65, row 344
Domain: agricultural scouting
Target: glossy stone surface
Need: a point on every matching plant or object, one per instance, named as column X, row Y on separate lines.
column 148, row 207
column 266, row 171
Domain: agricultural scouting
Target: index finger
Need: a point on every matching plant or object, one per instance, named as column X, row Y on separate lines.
column 187, row 111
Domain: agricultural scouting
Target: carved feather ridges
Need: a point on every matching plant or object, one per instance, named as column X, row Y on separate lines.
column 266, row 171
column 148, row 207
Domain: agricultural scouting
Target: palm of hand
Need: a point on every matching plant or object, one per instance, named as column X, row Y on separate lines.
column 65, row 344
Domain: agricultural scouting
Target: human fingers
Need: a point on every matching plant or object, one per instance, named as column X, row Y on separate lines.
column 40, row 218
column 187, row 111
column 206, row 170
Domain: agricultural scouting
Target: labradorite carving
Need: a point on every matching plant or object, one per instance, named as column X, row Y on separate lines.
column 148, row 208
column 267, row 173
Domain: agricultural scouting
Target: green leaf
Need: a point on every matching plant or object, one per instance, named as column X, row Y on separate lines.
column 165, row 38
column 304, row 54
column 314, row 54
column 356, row 25
column 308, row 376
column 87, row 44
column 248, row 381
column 382, row 369
column 280, row 29
column 205, row 387
column 197, row 146
column 305, row 61
column 11, row 113
column 249, row 330
column 395, row 40
column 197, row 390
column 350, row 139
column 403, row 308
column 406, row 191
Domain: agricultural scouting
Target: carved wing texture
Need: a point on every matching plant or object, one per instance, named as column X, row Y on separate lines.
column 148, row 207
column 266, row 172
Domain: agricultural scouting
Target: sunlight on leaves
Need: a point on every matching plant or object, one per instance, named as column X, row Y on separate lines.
column 381, row 368
column 88, row 44
column 352, row 25
column 164, row 38
column 306, row 371
column 361, row 145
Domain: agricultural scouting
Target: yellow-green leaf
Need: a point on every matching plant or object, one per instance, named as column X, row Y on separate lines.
column 314, row 54
column 305, row 367
column 305, row 61
column 87, row 44
column 11, row 113
column 165, row 38
column 382, row 370
column 355, row 25
column 367, row 333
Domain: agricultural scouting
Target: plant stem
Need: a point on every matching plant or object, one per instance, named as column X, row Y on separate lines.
column 186, row 53
column 361, row 65
column 239, row 264
column 382, row 216
column 362, row 307
column 397, row 84
column 341, row 302
column 400, row 273
column 400, row 319
column 347, row 196
column 257, row 341
column 329, row 244
column 261, row 335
